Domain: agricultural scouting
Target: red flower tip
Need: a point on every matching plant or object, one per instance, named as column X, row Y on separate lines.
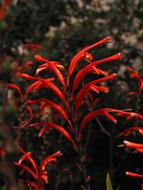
column 40, row 58
column 16, row 87
column 129, row 144
column 134, row 174
column 117, row 56
column 25, row 76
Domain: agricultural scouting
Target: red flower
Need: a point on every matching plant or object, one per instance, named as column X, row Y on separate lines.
column 83, row 54
column 48, row 125
column 37, row 172
column 91, row 68
column 42, row 83
column 14, row 86
column 48, row 103
column 103, row 111
column 129, row 144
column 130, row 130
column 31, row 116
column 131, row 174
column 135, row 75
column 91, row 86
column 53, row 66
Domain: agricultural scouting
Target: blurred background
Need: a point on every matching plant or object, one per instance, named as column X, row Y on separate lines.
column 62, row 27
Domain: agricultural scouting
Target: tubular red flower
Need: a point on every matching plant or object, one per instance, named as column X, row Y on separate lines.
column 27, row 155
column 54, row 105
column 14, row 86
column 131, row 174
column 88, row 86
column 26, row 76
column 26, row 168
column 56, row 90
column 91, row 67
column 140, row 150
column 47, row 84
column 129, row 144
column 130, row 130
column 49, row 159
column 48, row 125
column 103, row 111
column 31, row 116
column 52, row 66
column 33, row 86
column 82, row 54
column 135, row 75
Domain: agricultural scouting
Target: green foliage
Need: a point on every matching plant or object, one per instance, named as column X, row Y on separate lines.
column 108, row 182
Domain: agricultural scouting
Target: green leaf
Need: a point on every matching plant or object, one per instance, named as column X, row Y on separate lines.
column 108, row 183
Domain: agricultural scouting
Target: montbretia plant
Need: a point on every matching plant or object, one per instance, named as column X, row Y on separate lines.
column 72, row 93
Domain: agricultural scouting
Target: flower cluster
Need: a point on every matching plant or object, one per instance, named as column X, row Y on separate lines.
column 71, row 94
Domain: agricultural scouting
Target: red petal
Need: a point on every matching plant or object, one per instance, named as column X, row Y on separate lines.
column 57, row 127
column 81, row 73
column 26, row 168
column 27, row 155
column 129, row 144
column 56, row 90
column 86, row 87
column 140, row 150
column 49, row 159
column 130, row 130
column 14, row 86
column 131, row 174
column 54, row 105
column 52, row 66
column 91, row 115
column 82, row 53
column 26, row 76
column 32, row 86
column 134, row 74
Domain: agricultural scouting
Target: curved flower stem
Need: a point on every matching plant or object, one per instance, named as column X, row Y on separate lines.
column 81, row 157
column 82, row 163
